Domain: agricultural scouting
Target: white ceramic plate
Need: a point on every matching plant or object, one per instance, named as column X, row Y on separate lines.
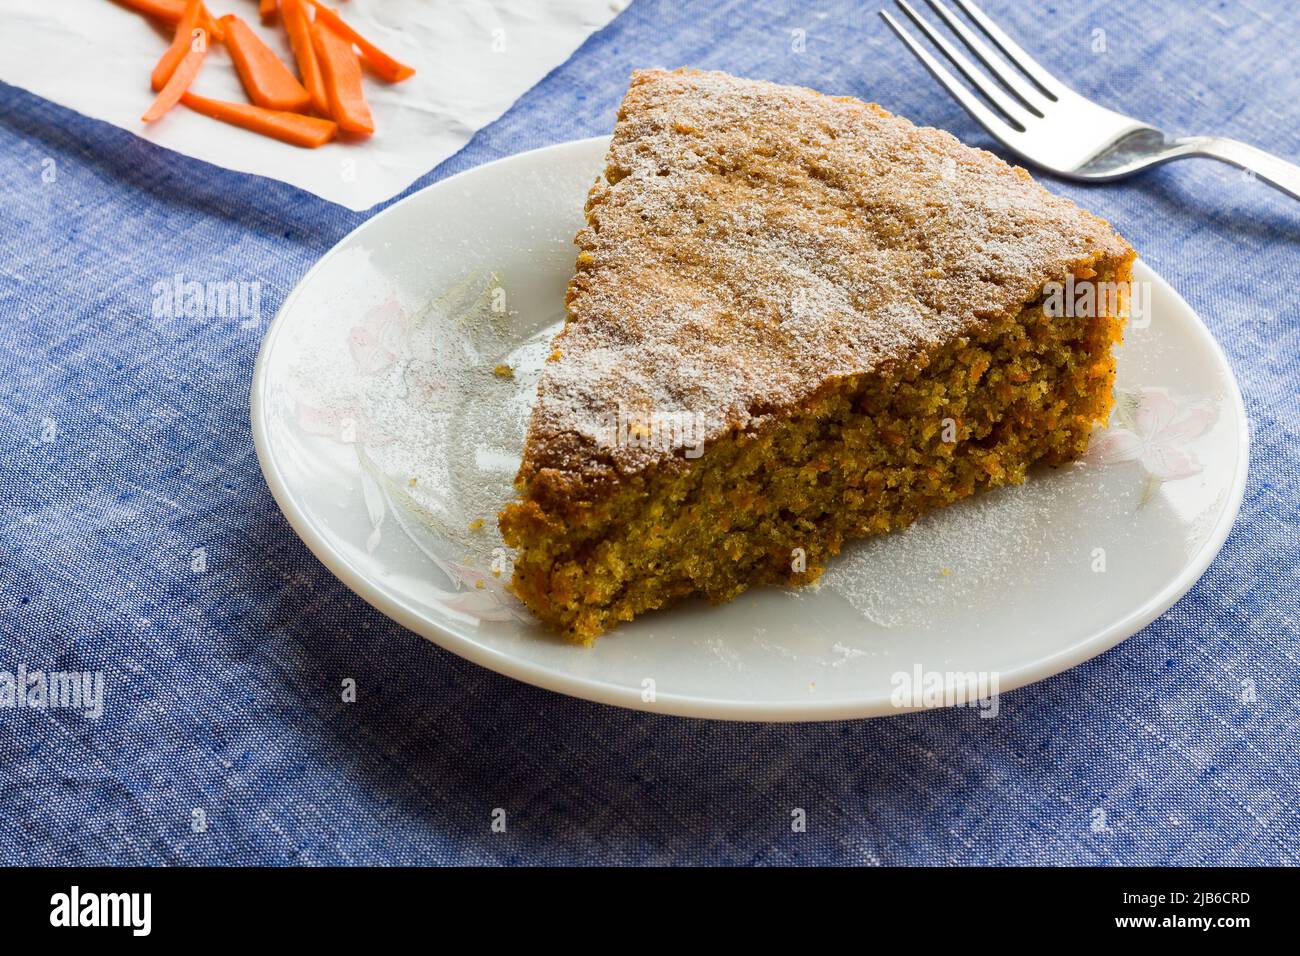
column 384, row 433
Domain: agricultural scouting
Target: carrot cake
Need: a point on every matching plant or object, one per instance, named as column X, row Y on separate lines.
column 796, row 320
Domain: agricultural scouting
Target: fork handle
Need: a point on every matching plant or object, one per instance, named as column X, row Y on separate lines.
column 1272, row 169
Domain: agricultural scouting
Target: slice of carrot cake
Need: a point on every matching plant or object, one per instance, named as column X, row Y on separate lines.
column 797, row 319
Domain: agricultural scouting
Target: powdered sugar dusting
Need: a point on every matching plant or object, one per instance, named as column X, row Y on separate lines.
column 971, row 553
column 750, row 241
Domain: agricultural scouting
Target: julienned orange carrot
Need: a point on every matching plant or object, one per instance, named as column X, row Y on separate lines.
column 171, row 11
column 292, row 128
column 296, row 24
column 179, row 82
column 181, row 44
column 380, row 62
column 213, row 27
column 267, row 80
column 341, row 72
column 266, row 10
column 167, row 10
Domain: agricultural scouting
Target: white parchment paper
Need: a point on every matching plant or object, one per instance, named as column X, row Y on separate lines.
column 473, row 58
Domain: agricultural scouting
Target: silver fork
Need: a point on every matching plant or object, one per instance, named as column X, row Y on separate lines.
column 1047, row 124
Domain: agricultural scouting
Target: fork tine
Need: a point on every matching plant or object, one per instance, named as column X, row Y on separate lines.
column 1009, row 78
column 1050, row 85
column 1018, row 117
column 995, row 124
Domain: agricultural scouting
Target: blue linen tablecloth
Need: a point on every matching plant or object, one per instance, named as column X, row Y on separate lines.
column 223, row 739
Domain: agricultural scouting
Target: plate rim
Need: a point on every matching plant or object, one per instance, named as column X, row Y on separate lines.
column 598, row 691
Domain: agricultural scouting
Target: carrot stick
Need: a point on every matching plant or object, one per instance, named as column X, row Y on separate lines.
column 266, row 10
column 181, row 44
column 341, row 72
column 171, row 11
column 168, row 11
column 178, row 83
column 214, row 28
column 294, row 15
column 267, row 81
column 292, row 128
column 384, row 66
